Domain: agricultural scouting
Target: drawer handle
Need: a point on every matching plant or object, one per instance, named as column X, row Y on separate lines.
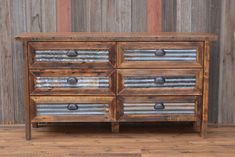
column 160, row 80
column 159, row 106
column 160, row 52
column 72, row 107
column 72, row 53
column 72, row 80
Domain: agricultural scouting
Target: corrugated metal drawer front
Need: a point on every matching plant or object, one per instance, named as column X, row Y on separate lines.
column 72, row 54
column 160, row 82
column 72, row 109
column 72, row 82
column 159, row 54
column 155, row 107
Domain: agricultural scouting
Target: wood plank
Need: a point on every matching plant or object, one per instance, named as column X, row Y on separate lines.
column 6, row 72
column 95, row 11
column 183, row 16
column 214, row 18
column 63, row 14
column 123, row 10
column 169, row 15
column 49, row 15
column 109, row 15
column 95, row 140
column 80, row 16
column 154, row 15
column 18, row 25
column 112, row 36
column 138, row 16
column 227, row 64
column 34, row 15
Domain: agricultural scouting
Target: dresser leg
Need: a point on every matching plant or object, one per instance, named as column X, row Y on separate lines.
column 35, row 125
column 115, row 127
column 204, row 129
column 28, row 131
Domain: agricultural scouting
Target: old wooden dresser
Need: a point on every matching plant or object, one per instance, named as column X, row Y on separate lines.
column 116, row 77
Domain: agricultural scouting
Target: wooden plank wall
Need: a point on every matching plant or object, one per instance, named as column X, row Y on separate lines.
column 227, row 64
column 198, row 16
column 213, row 16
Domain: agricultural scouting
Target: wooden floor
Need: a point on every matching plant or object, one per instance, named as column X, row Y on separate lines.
column 95, row 140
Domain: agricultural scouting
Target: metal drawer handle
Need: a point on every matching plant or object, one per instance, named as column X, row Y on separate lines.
column 72, row 53
column 72, row 107
column 160, row 52
column 159, row 106
column 160, row 80
column 72, row 80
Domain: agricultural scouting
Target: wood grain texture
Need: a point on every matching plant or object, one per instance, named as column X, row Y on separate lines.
column 227, row 64
column 6, row 73
column 95, row 140
column 18, row 25
column 48, row 15
column 198, row 16
column 63, row 12
column 139, row 16
column 154, row 15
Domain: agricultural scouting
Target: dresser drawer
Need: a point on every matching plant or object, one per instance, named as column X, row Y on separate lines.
column 159, row 54
column 72, row 54
column 75, row 82
column 72, row 109
column 158, row 108
column 159, row 82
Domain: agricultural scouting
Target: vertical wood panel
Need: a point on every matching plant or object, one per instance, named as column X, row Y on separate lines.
column 95, row 16
column 154, row 15
column 6, row 73
column 123, row 10
column 183, row 18
column 139, row 16
column 34, row 16
column 169, row 15
column 198, row 16
column 227, row 64
column 80, row 16
column 63, row 9
column 18, row 25
column 48, row 16
column 109, row 16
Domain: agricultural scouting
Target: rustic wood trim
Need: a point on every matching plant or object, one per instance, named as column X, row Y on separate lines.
column 26, row 93
column 154, row 15
column 204, row 122
column 63, row 12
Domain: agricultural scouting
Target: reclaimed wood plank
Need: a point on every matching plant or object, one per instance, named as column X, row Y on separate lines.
column 123, row 10
column 154, row 15
column 18, row 25
column 63, row 15
column 138, row 16
column 6, row 72
column 169, row 16
column 34, row 15
column 109, row 16
column 49, row 15
column 80, row 16
column 227, row 64
column 95, row 11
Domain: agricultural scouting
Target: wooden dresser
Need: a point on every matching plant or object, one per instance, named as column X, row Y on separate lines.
column 116, row 77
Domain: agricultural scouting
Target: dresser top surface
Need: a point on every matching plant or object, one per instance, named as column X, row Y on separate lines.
column 115, row 36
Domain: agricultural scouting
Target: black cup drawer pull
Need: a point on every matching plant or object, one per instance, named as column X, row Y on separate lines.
column 159, row 106
column 72, row 53
column 160, row 80
column 72, row 107
column 160, row 52
column 72, row 80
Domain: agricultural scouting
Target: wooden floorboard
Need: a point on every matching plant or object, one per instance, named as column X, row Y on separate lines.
column 96, row 140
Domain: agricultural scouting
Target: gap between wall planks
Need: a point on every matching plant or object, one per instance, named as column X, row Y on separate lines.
column 63, row 12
